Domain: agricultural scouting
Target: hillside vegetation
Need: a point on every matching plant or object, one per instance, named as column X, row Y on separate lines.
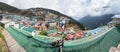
column 3, row 47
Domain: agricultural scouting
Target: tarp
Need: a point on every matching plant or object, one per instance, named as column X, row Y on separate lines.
column 96, row 43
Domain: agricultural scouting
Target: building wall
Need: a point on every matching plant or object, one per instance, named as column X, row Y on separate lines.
column 116, row 21
column 16, row 25
column 11, row 24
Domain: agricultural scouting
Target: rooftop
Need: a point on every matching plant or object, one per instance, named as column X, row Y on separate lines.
column 116, row 16
column 4, row 21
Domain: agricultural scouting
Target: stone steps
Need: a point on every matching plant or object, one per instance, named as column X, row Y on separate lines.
column 114, row 49
column 118, row 46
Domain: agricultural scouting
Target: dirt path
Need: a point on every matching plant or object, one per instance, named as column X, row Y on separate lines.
column 13, row 46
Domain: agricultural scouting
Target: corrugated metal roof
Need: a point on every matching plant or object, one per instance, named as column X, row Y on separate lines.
column 116, row 16
column 5, row 21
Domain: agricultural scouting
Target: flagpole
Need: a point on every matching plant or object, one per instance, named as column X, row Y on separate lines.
column 62, row 39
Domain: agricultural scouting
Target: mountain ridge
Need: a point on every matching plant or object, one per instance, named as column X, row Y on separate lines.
column 96, row 21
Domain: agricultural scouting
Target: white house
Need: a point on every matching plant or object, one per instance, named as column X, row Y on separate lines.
column 116, row 19
column 53, row 24
column 6, row 23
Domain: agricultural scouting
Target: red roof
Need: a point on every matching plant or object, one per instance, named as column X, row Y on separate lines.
column 36, row 26
column 76, row 34
column 69, row 36
column 47, row 19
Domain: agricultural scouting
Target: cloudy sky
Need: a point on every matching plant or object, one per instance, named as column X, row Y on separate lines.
column 74, row 8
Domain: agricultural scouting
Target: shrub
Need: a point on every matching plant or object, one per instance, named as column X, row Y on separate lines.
column 43, row 33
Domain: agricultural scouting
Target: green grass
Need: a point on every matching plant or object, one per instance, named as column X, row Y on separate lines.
column 1, row 37
column 0, row 48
